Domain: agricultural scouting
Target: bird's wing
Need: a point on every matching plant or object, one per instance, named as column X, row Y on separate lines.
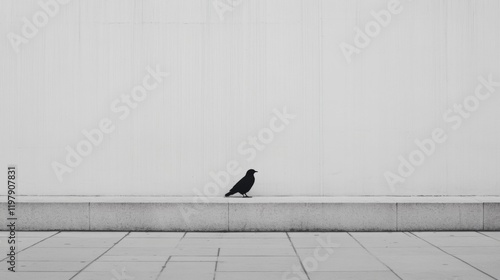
column 238, row 185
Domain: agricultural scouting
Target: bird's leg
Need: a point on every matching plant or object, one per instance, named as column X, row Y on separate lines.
column 246, row 196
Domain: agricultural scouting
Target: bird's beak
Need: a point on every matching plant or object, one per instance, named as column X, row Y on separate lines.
column 256, row 171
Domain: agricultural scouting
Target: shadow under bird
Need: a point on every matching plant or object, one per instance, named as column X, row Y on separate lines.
column 244, row 185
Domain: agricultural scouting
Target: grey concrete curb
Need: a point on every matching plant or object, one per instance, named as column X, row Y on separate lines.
column 256, row 214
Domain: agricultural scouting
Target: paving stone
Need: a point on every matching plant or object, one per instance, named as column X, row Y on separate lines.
column 255, row 255
column 127, row 266
column 260, row 275
column 37, row 275
column 116, row 275
column 257, row 263
column 356, row 275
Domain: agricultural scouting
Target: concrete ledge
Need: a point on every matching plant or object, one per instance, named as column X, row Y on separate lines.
column 255, row 214
column 440, row 216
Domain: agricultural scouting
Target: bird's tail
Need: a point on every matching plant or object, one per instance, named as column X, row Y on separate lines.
column 229, row 193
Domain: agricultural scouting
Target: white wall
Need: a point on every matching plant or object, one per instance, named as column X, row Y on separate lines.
column 227, row 75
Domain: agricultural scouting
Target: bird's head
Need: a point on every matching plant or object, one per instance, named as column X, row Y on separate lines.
column 251, row 172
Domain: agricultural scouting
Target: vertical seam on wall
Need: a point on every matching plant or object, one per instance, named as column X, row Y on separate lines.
column 397, row 216
column 228, row 216
column 483, row 215
column 89, row 216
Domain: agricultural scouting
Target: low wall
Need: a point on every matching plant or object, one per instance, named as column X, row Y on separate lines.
column 255, row 214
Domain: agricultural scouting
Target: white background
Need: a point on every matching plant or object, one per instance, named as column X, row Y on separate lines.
column 352, row 121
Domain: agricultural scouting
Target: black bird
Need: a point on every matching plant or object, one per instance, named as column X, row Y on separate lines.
column 244, row 185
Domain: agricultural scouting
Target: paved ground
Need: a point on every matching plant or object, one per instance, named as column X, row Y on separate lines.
column 255, row 256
